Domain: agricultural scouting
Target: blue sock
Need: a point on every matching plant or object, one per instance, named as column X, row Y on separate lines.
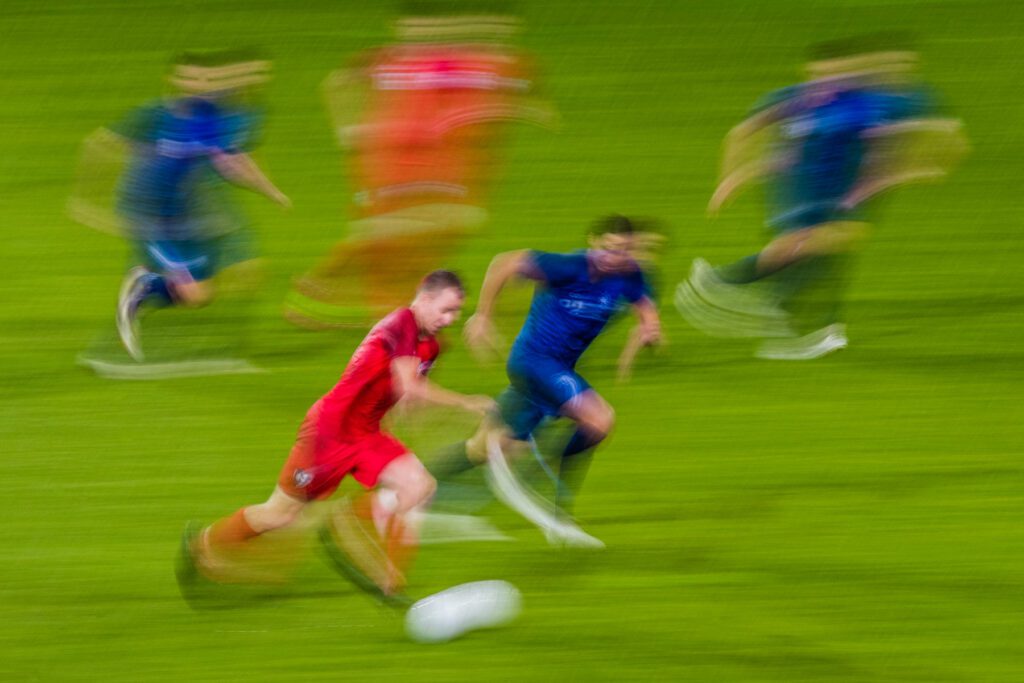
column 573, row 468
column 155, row 291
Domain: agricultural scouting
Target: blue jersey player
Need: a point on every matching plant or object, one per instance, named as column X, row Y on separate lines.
column 180, row 148
column 834, row 137
column 576, row 295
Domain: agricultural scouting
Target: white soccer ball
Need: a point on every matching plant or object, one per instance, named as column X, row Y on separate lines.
column 449, row 614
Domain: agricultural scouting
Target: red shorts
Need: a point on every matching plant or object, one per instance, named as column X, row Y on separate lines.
column 318, row 463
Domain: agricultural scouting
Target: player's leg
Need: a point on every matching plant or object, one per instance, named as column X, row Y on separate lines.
column 594, row 418
column 218, row 542
column 835, row 237
column 812, row 291
column 175, row 272
column 515, row 420
column 404, row 488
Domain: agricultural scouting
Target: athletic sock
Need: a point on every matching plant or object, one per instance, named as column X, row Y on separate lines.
column 575, row 463
column 400, row 553
column 155, row 291
column 451, row 462
column 230, row 532
column 741, row 272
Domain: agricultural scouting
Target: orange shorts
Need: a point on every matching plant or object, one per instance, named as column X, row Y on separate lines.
column 317, row 464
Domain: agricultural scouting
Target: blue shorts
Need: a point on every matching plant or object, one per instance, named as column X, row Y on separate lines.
column 538, row 390
column 195, row 259
column 812, row 214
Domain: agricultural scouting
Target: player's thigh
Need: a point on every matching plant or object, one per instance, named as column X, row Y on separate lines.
column 408, row 479
column 316, row 463
column 519, row 412
column 591, row 411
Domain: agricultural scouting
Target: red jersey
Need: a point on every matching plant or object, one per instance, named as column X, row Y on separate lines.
column 365, row 393
column 444, row 108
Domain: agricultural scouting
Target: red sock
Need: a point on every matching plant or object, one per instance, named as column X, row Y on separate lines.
column 399, row 553
column 230, row 531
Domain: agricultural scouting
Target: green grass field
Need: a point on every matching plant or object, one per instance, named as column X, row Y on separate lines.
column 855, row 519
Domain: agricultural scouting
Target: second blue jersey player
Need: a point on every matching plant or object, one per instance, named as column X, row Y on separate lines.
column 180, row 148
column 838, row 140
column 576, row 295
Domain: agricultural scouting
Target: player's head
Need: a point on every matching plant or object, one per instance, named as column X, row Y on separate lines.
column 619, row 243
column 206, row 73
column 878, row 56
column 438, row 301
column 444, row 21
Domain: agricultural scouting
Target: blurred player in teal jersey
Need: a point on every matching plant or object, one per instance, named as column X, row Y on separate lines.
column 840, row 138
column 171, row 199
column 576, row 295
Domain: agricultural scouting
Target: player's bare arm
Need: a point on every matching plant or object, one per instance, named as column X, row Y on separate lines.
column 479, row 329
column 241, row 170
column 945, row 145
column 102, row 157
column 646, row 332
column 344, row 92
column 411, row 385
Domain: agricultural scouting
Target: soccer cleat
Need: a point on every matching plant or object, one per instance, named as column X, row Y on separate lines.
column 710, row 287
column 808, row 347
column 344, row 564
column 442, row 527
column 186, row 569
column 722, row 322
column 568, row 535
column 133, row 290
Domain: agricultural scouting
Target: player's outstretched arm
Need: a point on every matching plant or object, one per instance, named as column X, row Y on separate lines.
column 479, row 329
column 910, row 151
column 240, row 169
column 646, row 332
column 411, row 385
column 100, row 162
column 345, row 92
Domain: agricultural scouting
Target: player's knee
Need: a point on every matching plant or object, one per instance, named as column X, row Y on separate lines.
column 601, row 424
column 424, row 489
column 193, row 294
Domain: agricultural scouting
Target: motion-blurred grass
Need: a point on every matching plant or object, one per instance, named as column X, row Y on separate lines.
column 856, row 518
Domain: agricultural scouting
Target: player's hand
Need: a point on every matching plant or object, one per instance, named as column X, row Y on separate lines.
column 718, row 199
column 481, row 337
column 641, row 336
column 649, row 334
column 280, row 198
column 479, row 404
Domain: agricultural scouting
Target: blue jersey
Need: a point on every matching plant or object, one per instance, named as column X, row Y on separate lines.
column 173, row 143
column 570, row 308
column 822, row 144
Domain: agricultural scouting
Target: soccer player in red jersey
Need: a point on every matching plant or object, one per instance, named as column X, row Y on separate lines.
column 341, row 435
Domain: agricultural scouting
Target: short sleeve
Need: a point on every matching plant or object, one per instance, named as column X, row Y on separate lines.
column 405, row 337
column 638, row 287
column 241, row 130
column 555, row 269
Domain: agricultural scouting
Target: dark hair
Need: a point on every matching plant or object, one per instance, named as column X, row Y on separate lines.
column 440, row 280
column 447, row 8
column 219, row 57
column 882, row 41
column 613, row 223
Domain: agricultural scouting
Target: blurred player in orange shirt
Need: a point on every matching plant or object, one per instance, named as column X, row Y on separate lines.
column 423, row 121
